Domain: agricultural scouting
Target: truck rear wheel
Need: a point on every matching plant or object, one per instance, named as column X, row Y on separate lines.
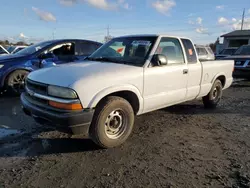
column 112, row 122
column 214, row 96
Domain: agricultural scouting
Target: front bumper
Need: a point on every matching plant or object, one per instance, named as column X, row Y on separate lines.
column 70, row 122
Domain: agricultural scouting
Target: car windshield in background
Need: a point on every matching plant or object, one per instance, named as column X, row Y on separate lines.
column 17, row 50
column 228, row 51
column 210, row 50
column 125, row 50
column 10, row 49
column 34, row 48
column 2, row 51
column 243, row 50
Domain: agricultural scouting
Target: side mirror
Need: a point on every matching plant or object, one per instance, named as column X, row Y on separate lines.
column 159, row 59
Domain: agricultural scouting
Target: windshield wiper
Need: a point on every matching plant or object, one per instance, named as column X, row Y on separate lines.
column 111, row 60
column 104, row 59
column 99, row 59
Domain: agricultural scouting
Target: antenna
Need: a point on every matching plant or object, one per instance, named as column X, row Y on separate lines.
column 243, row 17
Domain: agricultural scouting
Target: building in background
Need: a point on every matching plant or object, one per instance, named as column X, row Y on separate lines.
column 236, row 38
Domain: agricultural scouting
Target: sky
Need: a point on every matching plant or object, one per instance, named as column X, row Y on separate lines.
column 38, row 20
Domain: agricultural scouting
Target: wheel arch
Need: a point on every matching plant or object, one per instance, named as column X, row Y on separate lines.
column 221, row 77
column 130, row 93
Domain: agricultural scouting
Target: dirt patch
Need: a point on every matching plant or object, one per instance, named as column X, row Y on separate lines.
column 181, row 146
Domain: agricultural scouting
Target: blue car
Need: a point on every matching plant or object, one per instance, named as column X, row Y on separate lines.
column 14, row 68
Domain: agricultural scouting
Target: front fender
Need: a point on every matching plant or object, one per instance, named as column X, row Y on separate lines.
column 107, row 91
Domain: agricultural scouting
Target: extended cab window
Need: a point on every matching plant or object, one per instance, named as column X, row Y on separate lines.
column 171, row 48
column 190, row 52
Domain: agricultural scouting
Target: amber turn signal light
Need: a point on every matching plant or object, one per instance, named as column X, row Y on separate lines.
column 74, row 106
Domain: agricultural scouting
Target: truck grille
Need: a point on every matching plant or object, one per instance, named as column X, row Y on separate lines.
column 36, row 87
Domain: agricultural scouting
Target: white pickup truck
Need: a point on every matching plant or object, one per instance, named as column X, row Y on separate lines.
column 127, row 76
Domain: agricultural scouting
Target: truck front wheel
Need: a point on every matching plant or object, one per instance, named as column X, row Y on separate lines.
column 214, row 96
column 112, row 122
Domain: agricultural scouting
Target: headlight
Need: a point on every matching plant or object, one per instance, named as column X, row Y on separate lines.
column 62, row 92
column 1, row 66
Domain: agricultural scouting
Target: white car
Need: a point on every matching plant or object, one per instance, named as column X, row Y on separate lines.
column 3, row 51
column 205, row 53
column 101, row 95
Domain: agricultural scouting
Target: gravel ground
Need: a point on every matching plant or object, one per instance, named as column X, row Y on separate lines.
column 181, row 146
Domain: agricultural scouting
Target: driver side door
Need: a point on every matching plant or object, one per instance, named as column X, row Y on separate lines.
column 167, row 84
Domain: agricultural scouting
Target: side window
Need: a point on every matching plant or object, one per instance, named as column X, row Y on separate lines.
column 86, row 48
column 171, row 48
column 62, row 51
column 190, row 52
column 65, row 49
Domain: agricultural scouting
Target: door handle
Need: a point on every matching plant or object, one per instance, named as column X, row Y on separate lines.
column 185, row 71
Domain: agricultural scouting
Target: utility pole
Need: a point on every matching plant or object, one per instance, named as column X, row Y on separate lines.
column 107, row 37
column 243, row 17
column 53, row 34
column 108, row 31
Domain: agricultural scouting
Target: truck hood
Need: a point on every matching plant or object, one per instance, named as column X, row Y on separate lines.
column 69, row 75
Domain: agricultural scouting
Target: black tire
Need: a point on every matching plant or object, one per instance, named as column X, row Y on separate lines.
column 110, row 112
column 15, row 82
column 214, row 96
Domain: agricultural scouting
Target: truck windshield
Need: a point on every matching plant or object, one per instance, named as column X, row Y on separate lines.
column 125, row 50
column 243, row 50
column 34, row 48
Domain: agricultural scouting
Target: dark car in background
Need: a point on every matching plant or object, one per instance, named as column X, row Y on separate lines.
column 241, row 62
column 226, row 52
column 14, row 68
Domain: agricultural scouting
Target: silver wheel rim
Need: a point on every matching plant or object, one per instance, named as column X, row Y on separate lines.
column 115, row 124
column 17, row 82
column 216, row 93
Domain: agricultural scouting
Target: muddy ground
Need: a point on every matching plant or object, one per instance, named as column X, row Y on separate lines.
column 181, row 146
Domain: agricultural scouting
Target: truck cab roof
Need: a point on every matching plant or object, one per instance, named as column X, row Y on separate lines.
column 153, row 35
